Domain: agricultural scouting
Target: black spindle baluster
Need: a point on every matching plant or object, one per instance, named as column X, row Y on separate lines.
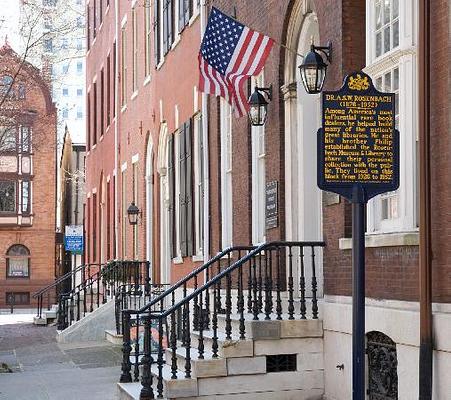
column 249, row 288
column 184, row 317
column 219, row 300
column 126, row 348
column 173, row 346
column 160, row 361
column 200, row 346
column 302, row 284
column 206, row 318
column 196, row 308
column 137, row 349
column 314, row 287
column 290, row 284
column 228, row 321
column 187, row 341
column 260, row 284
column 91, row 291
column 98, row 290
column 254, row 289
column 214, row 323
column 147, row 361
column 279, row 286
column 78, row 306
column 240, row 301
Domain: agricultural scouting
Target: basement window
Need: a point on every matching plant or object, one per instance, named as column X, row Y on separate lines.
column 281, row 363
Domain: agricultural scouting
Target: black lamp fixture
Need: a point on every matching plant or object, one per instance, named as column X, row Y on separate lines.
column 258, row 103
column 313, row 69
column 133, row 213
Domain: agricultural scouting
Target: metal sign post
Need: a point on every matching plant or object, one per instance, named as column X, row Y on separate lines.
column 358, row 158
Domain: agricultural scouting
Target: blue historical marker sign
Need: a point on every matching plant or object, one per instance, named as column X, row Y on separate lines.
column 358, row 145
column 73, row 239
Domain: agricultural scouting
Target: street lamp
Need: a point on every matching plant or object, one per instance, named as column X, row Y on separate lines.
column 258, row 104
column 133, row 213
column 313, row 69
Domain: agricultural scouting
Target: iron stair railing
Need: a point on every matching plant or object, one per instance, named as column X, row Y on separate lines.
column 263, row 279
column 51, row 292
column 100, row 285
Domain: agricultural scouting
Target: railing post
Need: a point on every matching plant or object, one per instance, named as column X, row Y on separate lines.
column 147, row 279
column 147, row 360
column 61, row 313
column 126, row 348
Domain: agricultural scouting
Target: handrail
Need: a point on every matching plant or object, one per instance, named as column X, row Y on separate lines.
column 228, row 270
column 189, row 277
column 63, row 278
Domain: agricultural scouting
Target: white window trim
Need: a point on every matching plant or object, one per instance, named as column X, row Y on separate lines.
column 226, row 177
column 198, row 207
column 404, row 57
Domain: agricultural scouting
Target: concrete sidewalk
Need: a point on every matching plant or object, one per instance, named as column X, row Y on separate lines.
column 43, row 369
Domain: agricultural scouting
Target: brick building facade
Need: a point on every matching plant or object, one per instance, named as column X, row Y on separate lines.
column 199, row 198
column 27, row 181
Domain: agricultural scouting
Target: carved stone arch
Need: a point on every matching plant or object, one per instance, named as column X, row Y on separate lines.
column 382, row 367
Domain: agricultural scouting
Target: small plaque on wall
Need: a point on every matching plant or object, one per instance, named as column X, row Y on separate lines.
column 272, row 204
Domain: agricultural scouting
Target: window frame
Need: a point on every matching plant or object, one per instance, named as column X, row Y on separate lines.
column 199, row 196
column 8, row 258
column 404, row 58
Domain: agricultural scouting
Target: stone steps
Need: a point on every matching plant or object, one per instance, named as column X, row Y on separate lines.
column 240, row 371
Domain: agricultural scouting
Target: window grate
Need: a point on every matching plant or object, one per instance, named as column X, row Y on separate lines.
column 281, row 363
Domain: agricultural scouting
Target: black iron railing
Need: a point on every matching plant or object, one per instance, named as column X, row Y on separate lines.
column 49, row 294
column 99, row 285
column 251, row 282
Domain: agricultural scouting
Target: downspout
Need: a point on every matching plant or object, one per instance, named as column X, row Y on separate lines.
column 206, row 184
column 426, row 344
column 116, row 129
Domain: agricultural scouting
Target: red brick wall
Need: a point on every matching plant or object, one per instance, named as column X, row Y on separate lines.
column 40, row 237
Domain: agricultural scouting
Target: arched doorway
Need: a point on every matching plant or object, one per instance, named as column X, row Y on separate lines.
column 165, row 249
column 149, row 205
column 302, row 120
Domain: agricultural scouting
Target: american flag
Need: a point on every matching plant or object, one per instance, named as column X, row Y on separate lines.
column 229, row 54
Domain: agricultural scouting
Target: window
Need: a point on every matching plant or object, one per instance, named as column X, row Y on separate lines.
column 148, row 36
column 65, row 68
column 18, row 262
column 168, row 25
column 64, row 43
column 108, row 91
column 65, row 113
column 156, row 30
column 49, row 3
column 79, row 67
column 102, row 102
column 79, row 22
column 199, row 184
column 65, row 92
column 226, row 172
column 94, row 25
column 25, row 139
column 26, row 195
column 94, row 227
column 135, row 49
column 100, row 10
column 124, row 217
column 89, row 122
column 79, row 44
column 6, row 85
column 79, row 92
column 395, row 72
column 48, row 45
column 79, row 113
column 185, row 13
column 18, row 298
column 184, row 183
column 7, row 196
column 88, row 28
column 258, row 175
column 124, row 66
column 94, row 112
column 8, row 139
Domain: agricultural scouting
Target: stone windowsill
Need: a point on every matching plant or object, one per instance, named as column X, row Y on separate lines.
column 384, row 240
